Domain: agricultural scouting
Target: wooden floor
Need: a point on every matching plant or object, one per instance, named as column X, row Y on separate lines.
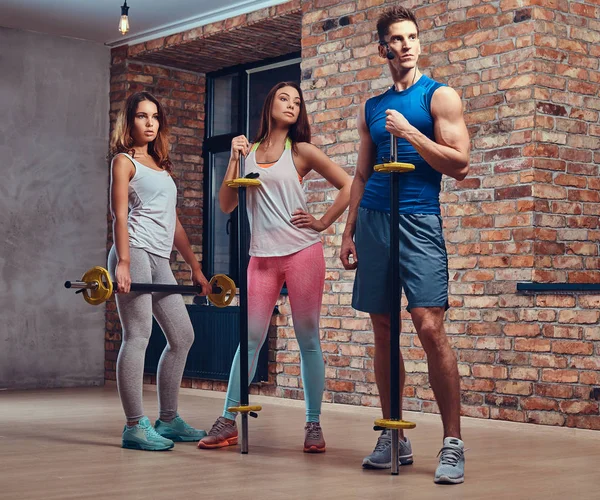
column 65, row 444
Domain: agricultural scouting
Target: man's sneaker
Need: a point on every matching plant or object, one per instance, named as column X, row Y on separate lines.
column 223, row 433
column 452, row 462
column 143, row 437
column 313, row 438
column 178, row 430
column 381, row 458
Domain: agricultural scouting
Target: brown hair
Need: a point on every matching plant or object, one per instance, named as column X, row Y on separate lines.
column 299, row 131
column 391, row 16
column 122, row 142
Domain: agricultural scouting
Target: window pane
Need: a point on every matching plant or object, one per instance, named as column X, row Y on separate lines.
column 260, row 82
column 226, row 104
column 221, row 240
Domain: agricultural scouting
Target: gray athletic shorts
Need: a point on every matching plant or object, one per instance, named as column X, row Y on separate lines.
column 423, row 261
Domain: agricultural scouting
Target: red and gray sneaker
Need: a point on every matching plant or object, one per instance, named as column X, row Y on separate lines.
column 313, row 438
column 223, row 433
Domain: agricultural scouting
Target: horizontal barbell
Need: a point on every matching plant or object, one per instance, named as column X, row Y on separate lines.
column 97, row 287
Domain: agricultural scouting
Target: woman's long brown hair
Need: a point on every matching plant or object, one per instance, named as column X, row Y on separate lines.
column 122, row 142
column 299, row 131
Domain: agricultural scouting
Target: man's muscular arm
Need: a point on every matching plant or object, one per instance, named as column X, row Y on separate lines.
column 449, row 153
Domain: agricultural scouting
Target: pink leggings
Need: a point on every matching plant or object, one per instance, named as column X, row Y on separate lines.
column 304, row 274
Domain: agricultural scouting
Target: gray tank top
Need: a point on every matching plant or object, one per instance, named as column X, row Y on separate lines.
column 152, row 214
column 270, row 208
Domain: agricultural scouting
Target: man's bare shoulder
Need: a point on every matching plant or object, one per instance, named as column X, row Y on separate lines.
column 445, row 100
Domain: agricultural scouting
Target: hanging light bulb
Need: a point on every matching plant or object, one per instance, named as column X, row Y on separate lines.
column 124, row 21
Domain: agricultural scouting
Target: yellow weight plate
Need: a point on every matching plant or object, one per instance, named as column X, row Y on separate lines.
column 394, row 424
column 104, row 288
column 242, row 181
column 394, row 167
column 228, row 289
column 244, row 409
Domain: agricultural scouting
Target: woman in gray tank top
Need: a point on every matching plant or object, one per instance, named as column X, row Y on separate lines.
column 143, row 197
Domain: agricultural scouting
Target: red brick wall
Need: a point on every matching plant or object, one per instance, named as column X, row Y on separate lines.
column 528, row 211
column 528, row 76
column 566, row 351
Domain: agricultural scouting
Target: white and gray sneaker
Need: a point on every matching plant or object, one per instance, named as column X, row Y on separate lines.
column 451, row 469
column 381, row 458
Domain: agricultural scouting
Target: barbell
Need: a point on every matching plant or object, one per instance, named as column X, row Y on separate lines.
column 97, row 287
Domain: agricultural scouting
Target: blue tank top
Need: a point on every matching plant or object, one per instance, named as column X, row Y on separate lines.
column 419, row 189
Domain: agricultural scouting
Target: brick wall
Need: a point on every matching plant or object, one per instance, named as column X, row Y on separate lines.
column 528, row 76
column 564, row 356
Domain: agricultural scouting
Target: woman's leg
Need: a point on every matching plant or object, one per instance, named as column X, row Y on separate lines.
column 172, row 316
column 305, row 277
column 265, row 279
column 135, row 313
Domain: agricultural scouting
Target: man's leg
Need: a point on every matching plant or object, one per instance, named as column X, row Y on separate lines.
column 371, row 294
column 443, row 368
column 381, row 331
column 381, row 458
column 445, row 382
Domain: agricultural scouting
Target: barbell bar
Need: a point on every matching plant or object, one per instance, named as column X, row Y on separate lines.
column 97, row 287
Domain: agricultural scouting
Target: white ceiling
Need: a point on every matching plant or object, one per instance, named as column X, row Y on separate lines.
column 97, row 20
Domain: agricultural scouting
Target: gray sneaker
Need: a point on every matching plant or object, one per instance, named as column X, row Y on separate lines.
column 381, row 458
column 452, row 462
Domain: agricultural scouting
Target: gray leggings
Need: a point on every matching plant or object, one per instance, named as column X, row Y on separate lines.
column 135, row 312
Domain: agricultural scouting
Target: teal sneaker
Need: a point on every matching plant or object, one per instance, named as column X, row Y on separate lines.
column 451, row 469
column 178, row 430
column 143, row 437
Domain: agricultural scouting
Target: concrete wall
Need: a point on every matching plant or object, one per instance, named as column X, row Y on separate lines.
column 53, row 195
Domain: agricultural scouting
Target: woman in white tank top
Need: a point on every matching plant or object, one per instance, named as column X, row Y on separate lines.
column 145, row 228
column 285, row 246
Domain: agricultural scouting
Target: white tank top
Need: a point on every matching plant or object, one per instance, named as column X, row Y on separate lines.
column 270, row 208
column 152, row 216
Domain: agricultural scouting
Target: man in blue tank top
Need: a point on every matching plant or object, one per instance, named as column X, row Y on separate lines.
column 426, row 117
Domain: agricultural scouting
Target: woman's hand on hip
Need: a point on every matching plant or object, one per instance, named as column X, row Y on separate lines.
column 303, row 219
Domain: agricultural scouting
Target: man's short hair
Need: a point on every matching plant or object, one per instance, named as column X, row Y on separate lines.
column 391, row 16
